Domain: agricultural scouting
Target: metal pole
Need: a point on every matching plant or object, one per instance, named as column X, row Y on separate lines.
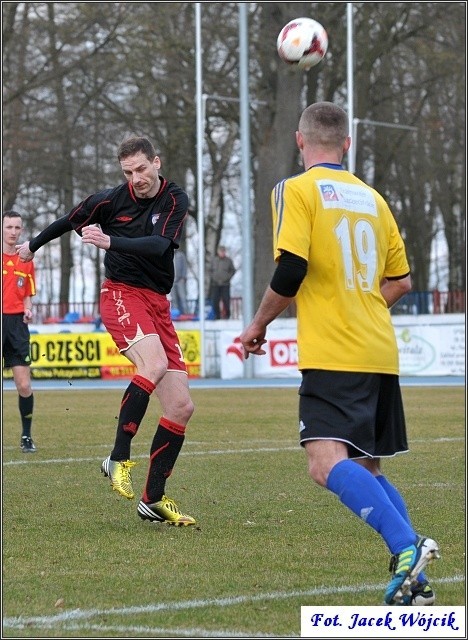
column 350, row 83
column 353, row 149
column 389, row 125
column 375, row 123
column 200, row 190
column 247, row 262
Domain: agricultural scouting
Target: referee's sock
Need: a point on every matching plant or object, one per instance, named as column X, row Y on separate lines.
column 363, row 494
column 26, row 406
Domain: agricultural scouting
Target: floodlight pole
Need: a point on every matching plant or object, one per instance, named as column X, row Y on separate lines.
column 354, row 122
column 247, row 275
column 200, row 205
column 202, row 98
column 247, row 262
column 350, row 85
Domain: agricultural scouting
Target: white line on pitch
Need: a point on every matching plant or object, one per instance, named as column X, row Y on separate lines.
column 20, row 622
column 213, row 452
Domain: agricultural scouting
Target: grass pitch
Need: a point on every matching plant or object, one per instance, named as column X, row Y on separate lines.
column 78, row 562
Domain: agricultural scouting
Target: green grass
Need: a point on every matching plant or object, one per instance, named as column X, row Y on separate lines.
column 267, row 540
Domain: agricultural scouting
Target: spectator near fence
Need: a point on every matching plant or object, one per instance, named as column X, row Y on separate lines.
column 222, row 271
column 179, row 289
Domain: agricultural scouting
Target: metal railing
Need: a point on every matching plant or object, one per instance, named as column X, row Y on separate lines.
column 414, row 303
column 430, row 302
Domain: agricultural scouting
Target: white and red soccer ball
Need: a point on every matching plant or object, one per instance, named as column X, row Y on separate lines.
column 302, row 43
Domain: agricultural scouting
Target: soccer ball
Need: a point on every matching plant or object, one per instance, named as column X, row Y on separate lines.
column 302, row 43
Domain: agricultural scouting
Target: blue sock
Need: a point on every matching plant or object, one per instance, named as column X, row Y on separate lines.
column 358, row 490
column 399, row 504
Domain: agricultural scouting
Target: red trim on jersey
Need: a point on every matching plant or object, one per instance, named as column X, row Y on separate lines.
column 163, row 185
column 132, row 192
column 161, row 189
column 91, row 215
column 176, row 234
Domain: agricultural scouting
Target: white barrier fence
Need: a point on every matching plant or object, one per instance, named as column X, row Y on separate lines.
column 428, row 345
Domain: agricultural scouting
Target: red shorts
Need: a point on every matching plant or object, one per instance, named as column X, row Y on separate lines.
column 132, row 313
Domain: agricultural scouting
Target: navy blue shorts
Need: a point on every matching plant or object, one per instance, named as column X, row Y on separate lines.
column 16, row 348
column 363, row 410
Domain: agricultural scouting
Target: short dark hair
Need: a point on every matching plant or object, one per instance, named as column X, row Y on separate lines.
column 11, row 214
column 324, row 123
column 136, row 144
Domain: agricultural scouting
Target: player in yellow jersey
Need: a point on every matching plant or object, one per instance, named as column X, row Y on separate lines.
column 340, row 256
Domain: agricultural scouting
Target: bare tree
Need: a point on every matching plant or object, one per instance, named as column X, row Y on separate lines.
column 79, row 77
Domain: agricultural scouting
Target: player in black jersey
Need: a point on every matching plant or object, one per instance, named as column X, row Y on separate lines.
column 139, row 224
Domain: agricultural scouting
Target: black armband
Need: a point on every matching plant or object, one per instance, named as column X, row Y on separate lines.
column 397, row 277
column 289, row 274
column 54, row 230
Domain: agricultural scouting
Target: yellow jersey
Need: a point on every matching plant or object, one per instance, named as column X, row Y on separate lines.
column 350, row 239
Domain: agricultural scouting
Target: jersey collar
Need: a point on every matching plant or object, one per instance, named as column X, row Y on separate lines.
column 328, row 165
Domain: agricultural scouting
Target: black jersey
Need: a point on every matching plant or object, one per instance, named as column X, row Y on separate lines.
column 121, row 214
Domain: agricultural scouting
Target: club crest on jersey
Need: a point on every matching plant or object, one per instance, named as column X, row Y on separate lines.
column 155, row 218
column 20, row 282
column 328, row 192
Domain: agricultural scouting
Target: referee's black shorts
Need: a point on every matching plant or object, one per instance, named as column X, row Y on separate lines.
column 363, row 410
column 16, row 348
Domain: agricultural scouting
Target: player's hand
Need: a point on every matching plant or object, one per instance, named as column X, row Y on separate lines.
column 252, row 341
column 94, row 235
column 24, row 253
column 27, row 316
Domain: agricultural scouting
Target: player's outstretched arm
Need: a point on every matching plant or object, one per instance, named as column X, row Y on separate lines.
column 27, row 250
column 253, row 336
column 25, row 254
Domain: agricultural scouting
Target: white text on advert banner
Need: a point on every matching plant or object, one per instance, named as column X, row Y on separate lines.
column 382, row 622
